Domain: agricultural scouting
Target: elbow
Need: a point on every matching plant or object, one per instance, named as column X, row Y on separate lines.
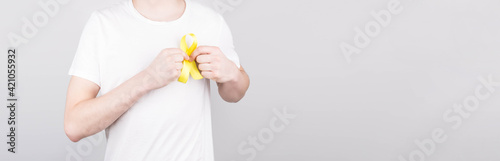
column 71, row 131
column 233, row 98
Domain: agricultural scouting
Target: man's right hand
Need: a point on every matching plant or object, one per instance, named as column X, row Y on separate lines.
column 87, row 114
column 166, row 67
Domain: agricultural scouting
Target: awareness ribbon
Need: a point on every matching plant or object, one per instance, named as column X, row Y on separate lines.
column 189, row 66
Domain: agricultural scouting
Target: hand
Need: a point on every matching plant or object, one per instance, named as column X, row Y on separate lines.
column 214, row 65
column 165, row 68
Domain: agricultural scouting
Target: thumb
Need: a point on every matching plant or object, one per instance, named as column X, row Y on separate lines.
column 186, row 57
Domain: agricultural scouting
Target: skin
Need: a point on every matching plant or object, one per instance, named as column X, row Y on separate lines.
column 87, row 114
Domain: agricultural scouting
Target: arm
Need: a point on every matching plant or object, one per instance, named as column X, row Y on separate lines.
column 234, row 90
column 86, row 115
column 213, row 64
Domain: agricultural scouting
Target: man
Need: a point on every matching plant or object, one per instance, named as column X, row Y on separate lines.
column 124, row 80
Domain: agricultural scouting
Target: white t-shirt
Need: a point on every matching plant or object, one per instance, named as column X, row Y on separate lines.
column 172, row 123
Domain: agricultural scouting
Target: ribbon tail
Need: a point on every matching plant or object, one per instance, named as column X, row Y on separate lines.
column 195, row 73
column 184, row 72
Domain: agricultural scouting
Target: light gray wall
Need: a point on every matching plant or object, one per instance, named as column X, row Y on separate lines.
column 397, row 93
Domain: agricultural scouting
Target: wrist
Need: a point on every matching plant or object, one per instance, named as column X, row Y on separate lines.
column 147, row 80
column 235, row 77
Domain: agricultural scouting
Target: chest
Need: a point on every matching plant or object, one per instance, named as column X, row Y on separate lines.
column 130, row 49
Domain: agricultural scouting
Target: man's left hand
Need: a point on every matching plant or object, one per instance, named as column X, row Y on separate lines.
column 214, row 65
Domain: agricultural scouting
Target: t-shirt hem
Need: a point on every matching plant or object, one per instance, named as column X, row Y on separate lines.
column 88, row 77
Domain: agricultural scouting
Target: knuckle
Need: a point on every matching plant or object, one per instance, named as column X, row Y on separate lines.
column 165, row 51
column 174, row 71
column 168, row 59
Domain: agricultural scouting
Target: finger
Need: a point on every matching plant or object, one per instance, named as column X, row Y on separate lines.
column 204, row 59
column 178, row 66
column 203, row 50
column 207, row 74
column 177, row 58
column 185, row 56
column 171, row 51
column 205, row 67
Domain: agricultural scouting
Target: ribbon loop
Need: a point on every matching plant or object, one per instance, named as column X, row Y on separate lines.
column 189, row 66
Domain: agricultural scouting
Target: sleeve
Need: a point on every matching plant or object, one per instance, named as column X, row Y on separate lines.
column 86, row 62
column 226, row 43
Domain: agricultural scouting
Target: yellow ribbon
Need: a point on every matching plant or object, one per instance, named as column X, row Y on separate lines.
column 189, row 66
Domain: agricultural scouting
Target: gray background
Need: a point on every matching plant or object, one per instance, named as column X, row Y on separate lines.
column 394, row 93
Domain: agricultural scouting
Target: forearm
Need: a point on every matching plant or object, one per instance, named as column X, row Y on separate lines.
column 234, row 90
column 94, row 115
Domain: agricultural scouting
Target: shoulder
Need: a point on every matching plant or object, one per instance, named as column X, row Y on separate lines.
column 201, row 11
column 114, row 11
